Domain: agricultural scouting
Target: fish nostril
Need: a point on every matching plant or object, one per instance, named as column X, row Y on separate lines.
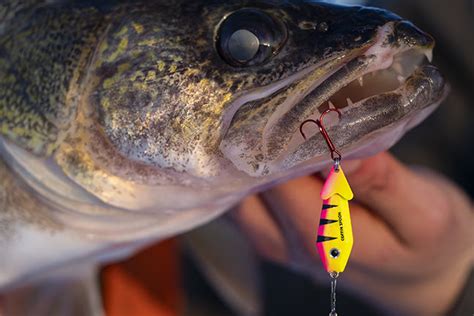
column 323, row 27
column 307, row 25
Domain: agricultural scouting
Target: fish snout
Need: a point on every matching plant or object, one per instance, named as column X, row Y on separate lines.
column 407, row 34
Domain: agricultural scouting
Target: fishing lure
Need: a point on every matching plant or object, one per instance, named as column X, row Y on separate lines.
column 335, row 240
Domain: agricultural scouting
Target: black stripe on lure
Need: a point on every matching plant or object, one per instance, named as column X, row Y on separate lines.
column 335, row 238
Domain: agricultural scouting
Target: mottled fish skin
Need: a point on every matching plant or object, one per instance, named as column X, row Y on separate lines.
column 115, row 116
column 156, row 84
column 178, row 88
column 42, row 62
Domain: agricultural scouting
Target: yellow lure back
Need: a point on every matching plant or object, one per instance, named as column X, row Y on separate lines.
column 335, row 238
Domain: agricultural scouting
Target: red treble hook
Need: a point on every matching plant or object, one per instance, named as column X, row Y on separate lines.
column 323, row 131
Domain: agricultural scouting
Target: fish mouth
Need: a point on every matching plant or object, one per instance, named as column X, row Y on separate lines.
column 381, row 89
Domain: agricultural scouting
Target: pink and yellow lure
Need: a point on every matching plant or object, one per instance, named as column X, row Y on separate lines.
column 335, row 238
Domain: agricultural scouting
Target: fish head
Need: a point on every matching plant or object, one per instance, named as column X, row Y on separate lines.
column 186, row 107
column 370, row 64
column 208, row 84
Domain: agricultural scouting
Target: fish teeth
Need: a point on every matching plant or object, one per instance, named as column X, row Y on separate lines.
column 331, row 105
column 349, row 102
column 429, row 54
column 361, row 81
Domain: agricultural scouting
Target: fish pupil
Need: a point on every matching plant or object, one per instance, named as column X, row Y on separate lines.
column 243, row 45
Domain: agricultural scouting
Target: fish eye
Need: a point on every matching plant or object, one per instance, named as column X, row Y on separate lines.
column 249, row 37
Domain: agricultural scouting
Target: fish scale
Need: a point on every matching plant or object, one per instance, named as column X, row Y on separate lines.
column 38, row 103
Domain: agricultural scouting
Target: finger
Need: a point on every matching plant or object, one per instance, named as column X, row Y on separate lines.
column 376, row 248
column 456, row 230
column 413, row 207
column 297, row 207
column 254, row 220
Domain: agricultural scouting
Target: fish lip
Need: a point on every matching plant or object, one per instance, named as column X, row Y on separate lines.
column 272, row 155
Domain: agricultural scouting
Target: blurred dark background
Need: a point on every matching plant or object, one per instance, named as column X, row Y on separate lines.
column 444, row 142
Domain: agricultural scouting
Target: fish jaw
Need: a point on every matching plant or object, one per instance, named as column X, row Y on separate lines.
column 386, row 89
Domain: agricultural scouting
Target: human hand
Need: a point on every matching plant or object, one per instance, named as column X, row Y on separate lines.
column 413, row 233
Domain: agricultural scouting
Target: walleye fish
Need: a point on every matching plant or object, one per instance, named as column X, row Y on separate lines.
column 123, row 123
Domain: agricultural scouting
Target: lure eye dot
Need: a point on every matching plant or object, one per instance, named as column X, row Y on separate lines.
column 334, row 252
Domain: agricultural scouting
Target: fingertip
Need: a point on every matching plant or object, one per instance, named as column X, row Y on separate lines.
column 378, row 173
column 253, row 219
